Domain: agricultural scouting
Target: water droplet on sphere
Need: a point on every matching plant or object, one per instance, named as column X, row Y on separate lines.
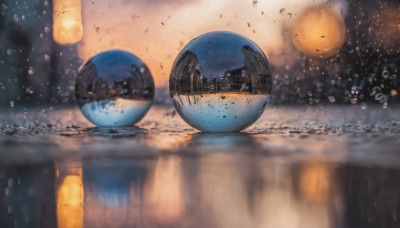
column 110, row 92
column 220, row 82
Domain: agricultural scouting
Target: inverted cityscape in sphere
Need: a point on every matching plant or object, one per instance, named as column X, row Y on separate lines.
column 220, row 82
column 114, row 89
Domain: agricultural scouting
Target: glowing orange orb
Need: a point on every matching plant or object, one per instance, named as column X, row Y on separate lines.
column 67, row 21
column 319, row 33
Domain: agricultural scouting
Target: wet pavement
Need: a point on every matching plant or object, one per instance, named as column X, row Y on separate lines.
column 301, row 166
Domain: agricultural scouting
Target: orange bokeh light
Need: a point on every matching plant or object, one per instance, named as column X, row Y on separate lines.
column 319, row 33
column 67, row 21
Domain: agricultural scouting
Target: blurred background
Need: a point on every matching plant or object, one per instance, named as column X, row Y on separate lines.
column 338, row 51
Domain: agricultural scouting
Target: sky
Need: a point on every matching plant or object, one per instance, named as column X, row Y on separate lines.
column 157, row 30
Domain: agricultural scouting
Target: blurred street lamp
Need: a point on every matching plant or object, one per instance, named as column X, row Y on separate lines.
column 319, row 32
column 67, row 21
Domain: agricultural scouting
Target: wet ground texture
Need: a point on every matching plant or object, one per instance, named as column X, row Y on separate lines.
column 303, row 166
column 339, row 132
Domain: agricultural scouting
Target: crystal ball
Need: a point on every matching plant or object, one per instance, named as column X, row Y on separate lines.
column 220, row 82
column 114, row 89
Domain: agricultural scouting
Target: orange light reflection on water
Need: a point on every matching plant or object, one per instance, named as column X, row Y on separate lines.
column 70, row 200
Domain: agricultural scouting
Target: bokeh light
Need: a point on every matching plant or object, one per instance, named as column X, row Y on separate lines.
column 67, row 21
column 319, row 32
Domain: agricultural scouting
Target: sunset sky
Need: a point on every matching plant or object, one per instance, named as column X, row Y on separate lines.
column 157, row 30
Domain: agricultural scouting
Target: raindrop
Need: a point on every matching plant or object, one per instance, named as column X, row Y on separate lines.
column 12, row 104
column 46, row 57
column 29, row 90
column 289, row 15
column 16, row 18
column 385, row 73
column 7, row 191
column 282, row 11
column 255, row 3
column 31, row 71
column 10, row 182
column 380, row 97
column 376, row 90
column 9, row 52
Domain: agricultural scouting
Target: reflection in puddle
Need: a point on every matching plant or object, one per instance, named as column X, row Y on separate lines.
column 314, row 181
column 209, row 190
column 164, row 190
column 70, row 197
column 113, row 193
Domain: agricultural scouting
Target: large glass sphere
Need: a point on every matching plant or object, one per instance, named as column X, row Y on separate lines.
column 114, row 88
column 220, row 82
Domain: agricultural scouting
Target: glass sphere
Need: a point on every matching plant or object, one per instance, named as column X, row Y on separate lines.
column 220, row 82
column 114, row 89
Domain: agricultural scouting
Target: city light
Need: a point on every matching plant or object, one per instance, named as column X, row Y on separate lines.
column 67, row 21
column 319, row 33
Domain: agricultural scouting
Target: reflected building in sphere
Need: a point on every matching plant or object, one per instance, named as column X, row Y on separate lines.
column 191, row 81
column 254, row 76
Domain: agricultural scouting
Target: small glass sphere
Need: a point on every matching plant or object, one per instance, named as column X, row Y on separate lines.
column 220, row 82
column 114, row 89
